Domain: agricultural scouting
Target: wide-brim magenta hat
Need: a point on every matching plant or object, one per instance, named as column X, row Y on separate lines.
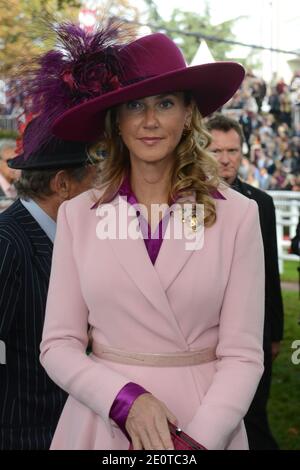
column 151, row 65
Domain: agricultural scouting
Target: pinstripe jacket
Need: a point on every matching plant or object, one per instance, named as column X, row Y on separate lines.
column 30, row 403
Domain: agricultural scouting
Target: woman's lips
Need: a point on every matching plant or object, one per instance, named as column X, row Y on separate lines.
column 151, row 140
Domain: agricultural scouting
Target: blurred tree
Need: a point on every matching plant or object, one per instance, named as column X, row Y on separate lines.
column 118, row 8
column 252, row 62
column 191, row 22
column 153, row 11
column 186, row 22
column 21, row 29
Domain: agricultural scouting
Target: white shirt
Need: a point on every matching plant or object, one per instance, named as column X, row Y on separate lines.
column 42, row 218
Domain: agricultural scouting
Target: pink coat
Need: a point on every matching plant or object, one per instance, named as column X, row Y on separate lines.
column 189, row 300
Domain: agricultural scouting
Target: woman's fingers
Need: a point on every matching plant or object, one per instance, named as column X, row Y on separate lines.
column 170, row 417
column 145, row 439
column 156, row 439
column 148, row 436
column 147, row 424
column 164, row 434
column 155, row 436
column 136, row 442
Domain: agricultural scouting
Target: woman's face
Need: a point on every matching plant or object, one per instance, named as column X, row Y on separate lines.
column 151, row 127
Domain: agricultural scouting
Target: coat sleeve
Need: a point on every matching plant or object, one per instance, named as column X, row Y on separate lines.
column 65, row 339
column 239, row 351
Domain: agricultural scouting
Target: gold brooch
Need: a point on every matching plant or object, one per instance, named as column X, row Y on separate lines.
column 190, row 217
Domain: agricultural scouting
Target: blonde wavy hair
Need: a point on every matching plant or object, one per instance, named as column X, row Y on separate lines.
column 194, row 170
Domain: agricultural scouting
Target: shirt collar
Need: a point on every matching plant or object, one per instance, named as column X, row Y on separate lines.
column 42, row 218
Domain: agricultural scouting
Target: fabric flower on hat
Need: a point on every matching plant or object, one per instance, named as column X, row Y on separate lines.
column 81, row 66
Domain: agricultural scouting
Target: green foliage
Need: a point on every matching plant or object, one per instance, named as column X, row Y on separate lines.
column 153, row 11
column 25, row 32
column 188, row 22
column 4, row 134
column 290, row 273
column 120, row 8
column 251, row 62
column 191, row 22
column 22, row 29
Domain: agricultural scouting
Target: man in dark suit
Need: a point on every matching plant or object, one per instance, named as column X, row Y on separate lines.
column 226, row 146
column 30, row 403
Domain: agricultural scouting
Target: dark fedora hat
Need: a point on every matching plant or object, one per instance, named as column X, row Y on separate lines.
column 55, row 154
column 150, row 65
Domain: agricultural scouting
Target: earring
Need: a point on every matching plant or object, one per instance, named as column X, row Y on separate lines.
column 186, row 128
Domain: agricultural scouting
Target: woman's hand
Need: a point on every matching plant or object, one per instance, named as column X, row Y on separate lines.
column 147, row 424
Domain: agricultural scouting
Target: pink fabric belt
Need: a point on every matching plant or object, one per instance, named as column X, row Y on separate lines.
column 174, row 359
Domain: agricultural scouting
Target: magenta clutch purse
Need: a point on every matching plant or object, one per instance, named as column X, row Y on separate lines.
column 181, row 440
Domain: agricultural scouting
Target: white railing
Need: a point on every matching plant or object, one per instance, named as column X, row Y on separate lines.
column 287, row 205
column 8, row 123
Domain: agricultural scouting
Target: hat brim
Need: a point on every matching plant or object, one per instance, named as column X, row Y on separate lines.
column 19, row 163
column 212, row 85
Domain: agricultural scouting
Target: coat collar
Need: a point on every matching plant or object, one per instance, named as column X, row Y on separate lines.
column 241, row 187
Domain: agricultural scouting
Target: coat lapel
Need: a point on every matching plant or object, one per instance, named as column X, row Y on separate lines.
column 132, row 255
column 40, row 243
column 153, row 281
column 174, row 252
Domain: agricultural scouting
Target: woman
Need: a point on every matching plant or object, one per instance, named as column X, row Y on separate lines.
column 176, row 321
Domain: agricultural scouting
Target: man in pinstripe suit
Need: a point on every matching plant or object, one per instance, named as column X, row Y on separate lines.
column 30, row 403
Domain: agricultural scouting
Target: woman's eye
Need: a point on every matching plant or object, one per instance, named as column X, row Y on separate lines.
column 134, row 105
column 166, row 104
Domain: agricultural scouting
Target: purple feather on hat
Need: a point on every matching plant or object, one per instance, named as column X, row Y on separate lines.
column 83, row 65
